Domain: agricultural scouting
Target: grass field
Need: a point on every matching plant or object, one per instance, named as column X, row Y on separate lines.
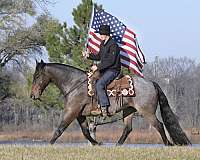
column 8, row 152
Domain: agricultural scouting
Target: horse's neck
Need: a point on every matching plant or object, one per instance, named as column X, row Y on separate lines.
column 65, row 78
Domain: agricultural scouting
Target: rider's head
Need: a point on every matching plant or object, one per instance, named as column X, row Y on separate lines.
column 104, row 32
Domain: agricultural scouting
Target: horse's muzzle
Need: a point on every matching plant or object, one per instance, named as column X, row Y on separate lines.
column 34, row 97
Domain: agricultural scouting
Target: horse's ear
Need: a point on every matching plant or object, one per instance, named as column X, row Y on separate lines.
column 42, row 61
column 36, row 61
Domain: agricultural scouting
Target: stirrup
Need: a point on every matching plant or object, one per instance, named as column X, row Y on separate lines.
column 96, row 112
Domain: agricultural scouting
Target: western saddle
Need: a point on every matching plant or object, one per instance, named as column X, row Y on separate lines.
column 122, row 85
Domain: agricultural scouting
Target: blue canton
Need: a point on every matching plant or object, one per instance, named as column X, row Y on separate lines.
column 103, row 18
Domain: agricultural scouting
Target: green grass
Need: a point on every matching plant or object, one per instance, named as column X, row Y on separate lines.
column 12, row 152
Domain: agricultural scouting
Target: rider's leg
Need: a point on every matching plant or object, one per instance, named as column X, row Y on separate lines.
column 101, row 84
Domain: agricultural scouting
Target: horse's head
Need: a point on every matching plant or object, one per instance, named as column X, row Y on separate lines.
column 40, row 80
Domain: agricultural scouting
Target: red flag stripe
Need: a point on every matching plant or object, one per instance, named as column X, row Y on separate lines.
column 95, row 36
column 92, row 49
column 94, row 43
column 131, row 56
column 129, row 49
column 129, row 45
column 130, row 38
column 143, row 58
column 132, row 68
column 131, row 32
column 130, row 60
column 132, row 52
column 128, row 52
column 94, row 46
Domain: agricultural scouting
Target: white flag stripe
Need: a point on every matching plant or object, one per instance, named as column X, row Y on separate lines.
column 93, row 37
column 128, row 56
column 140, row 57
column 134, row 52
column 97, row 34
column 129, row 34
column 128, row 41
column 136, row 59
column 95, row 40
column 130, row 65
column 140, row 54
column 94, row 47
column 129, row 49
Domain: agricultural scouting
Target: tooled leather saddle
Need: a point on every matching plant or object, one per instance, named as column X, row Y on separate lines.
column 123, row 85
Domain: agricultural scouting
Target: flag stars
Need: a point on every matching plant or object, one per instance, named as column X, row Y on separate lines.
column 117, row 28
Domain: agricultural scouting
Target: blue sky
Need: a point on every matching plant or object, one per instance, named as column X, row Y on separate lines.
column 164, row 27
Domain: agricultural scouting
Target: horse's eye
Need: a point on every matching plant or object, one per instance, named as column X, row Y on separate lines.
column 37, row 76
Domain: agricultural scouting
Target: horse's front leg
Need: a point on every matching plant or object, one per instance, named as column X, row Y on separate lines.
column 85, row 129
column 127, row 129
column 68, row 116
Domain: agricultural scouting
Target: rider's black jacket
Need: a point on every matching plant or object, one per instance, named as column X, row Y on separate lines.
column 109, row 56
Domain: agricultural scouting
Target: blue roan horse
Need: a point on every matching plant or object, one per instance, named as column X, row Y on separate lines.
column 72, row 82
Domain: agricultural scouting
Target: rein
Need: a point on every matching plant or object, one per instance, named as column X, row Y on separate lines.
column 76, row 86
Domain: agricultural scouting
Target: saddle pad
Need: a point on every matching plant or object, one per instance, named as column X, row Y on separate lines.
column 123, row 86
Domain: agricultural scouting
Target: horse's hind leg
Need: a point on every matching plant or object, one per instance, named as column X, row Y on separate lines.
column 127, row 129
column 160, row 128
column 84, row 127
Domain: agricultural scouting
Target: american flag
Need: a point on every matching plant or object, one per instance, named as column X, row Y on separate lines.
column 131, row 54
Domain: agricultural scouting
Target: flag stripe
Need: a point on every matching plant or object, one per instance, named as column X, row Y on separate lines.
column 130, row 45
column 129, row 40
column 132, row 56
column 131, row 60
column 95, row 35
column 131, row 67
column 94, row 47
column 94, row 42
column 141, row 54
column 131, row 32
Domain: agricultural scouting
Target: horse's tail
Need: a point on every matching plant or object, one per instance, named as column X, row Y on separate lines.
column 170, row 119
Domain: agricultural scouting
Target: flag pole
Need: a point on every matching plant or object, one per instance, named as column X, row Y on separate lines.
column 89, row 25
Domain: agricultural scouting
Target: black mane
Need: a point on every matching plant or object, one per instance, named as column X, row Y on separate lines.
column 65, row 65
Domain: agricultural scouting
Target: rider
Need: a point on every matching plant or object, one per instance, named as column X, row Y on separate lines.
column 109, row 67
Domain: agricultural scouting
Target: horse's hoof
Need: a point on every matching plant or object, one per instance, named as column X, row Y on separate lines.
column 97, row 144
column 118, row 144
column 169, row 144
column 52, row 142
column 100, row 143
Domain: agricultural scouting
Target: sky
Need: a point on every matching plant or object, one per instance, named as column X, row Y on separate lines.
column 164, row 27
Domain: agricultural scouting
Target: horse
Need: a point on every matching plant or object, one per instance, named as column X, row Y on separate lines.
column 72, row 82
